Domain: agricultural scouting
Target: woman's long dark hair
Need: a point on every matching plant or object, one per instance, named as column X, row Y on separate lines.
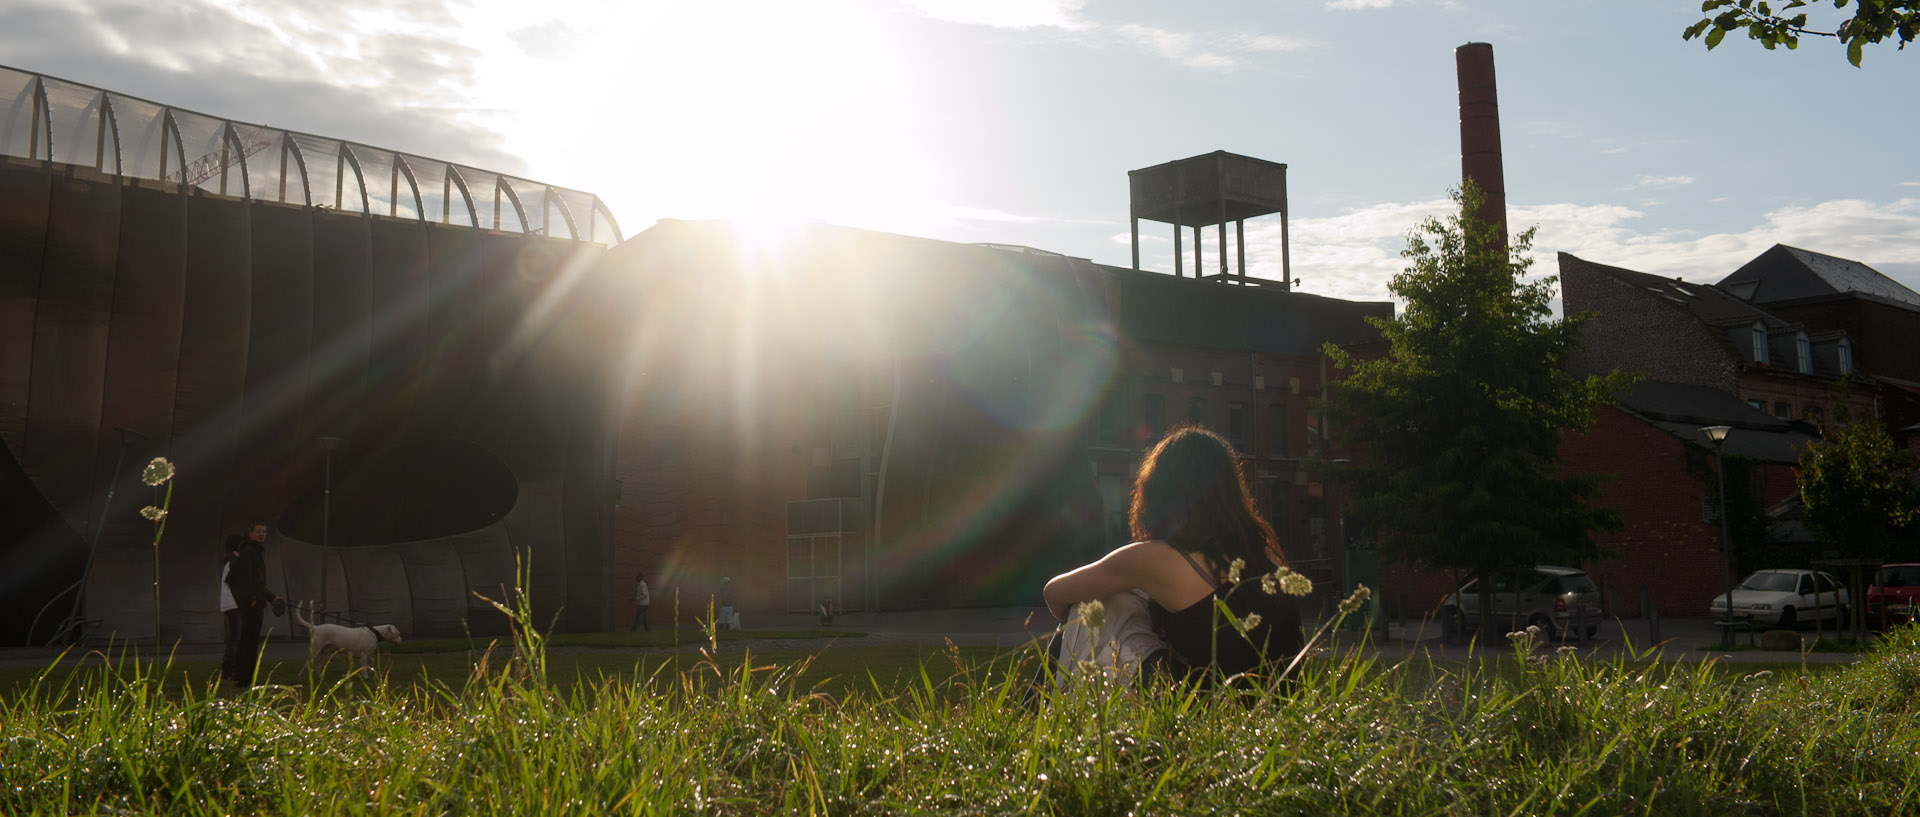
column 1191, row 493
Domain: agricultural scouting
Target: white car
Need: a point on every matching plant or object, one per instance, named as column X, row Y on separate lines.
column 1784, row 598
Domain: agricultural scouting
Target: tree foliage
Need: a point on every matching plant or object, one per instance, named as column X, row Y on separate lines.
column 1873, row 21
column 1859, row 492
column 1461, row 420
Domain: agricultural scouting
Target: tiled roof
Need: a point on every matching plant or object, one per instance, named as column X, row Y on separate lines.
column 1785, row 273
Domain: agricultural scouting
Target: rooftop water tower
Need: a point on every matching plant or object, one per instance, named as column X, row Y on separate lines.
column 1211, row 190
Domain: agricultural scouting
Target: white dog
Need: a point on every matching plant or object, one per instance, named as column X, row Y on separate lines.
column 359, row 642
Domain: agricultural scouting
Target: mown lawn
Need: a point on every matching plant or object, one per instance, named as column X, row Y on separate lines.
column 893, row 730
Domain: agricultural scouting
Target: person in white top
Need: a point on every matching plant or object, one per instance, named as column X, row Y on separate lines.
column 642, row 599
column 229, row 609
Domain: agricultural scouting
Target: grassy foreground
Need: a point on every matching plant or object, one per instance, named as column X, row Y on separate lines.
column 1543, row 733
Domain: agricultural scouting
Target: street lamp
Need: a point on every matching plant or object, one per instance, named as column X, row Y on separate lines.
column 326, row 518
column 1718, row 436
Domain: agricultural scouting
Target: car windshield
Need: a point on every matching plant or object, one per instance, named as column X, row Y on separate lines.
column 1771, row 581
column 1898, row 576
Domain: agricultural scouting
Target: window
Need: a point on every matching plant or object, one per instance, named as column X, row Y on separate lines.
column 1846, row 356
column 1813, row 415
column 1757, row 403
column 1803, row 349
column 1197, row 410
column 1276, row 430
column 1760, row 343
column 1783, row 411
column 1237, row 423
column 1154, row 414
column 1112, row 416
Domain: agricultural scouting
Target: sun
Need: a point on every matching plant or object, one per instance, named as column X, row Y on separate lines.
column 757, row 111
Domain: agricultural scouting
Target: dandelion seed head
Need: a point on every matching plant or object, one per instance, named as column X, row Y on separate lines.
column 153, row 514
column 1356, row 601
column 1093, row 614
column 1296, row 584
column 157, row 472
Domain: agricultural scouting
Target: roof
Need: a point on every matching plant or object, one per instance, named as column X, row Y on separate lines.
column 1784, row 273
column 1682, row 410
column 1711, row 305
column 924, row 296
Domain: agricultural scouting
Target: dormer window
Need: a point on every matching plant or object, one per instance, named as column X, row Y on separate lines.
column 1804, row 347
column 1846, row 356
column 1760, row 343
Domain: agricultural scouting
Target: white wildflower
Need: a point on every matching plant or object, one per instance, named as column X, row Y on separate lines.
column 1233, row 570
column 153, row 514
column 157, row 472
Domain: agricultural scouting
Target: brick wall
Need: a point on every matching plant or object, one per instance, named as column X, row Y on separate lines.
column 1882, row 335
column 1637, row 330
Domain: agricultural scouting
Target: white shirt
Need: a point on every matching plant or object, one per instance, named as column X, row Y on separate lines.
column 640, row 594
column 226, row 593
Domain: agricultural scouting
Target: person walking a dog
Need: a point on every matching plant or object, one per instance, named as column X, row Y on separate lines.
column 642, row 599
column 247, row 581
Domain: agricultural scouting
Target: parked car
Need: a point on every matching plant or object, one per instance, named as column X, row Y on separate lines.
column 1558, row 600
column 1784, row 598
column 1895, row 594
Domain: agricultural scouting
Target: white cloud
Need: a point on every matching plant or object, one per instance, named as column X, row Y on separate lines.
column 1644, row 181
column 1004, row 13
column 1359, row 4
column 1208, row 51
column 1354, row 254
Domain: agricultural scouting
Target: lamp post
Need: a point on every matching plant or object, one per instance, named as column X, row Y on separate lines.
column 326, row 517
column 1718, row 436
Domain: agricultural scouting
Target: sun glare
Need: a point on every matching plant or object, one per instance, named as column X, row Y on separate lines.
column 758, row 111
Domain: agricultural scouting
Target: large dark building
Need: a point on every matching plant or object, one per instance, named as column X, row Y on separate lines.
column 895, row 422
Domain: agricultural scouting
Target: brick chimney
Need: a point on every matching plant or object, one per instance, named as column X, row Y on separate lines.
column 1480, row 132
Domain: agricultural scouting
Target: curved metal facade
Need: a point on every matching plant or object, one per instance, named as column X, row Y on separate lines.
column 232, row 333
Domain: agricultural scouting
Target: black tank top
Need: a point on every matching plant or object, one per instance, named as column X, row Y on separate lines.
column 1202, row 638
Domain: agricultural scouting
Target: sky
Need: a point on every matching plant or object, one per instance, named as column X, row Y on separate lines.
column 1016, row 121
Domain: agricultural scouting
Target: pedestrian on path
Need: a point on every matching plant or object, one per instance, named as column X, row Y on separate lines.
column 642, row 599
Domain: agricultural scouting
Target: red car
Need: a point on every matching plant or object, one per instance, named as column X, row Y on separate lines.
column 1894, row 594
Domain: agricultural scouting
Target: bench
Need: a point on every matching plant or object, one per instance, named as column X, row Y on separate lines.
column 1740, row 623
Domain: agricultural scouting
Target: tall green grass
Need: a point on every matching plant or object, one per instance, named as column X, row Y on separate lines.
column 1538, row 732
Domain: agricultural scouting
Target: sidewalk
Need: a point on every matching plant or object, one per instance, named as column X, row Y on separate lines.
column 1009, row 627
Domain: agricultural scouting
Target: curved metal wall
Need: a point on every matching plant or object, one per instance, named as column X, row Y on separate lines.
column 233, row 335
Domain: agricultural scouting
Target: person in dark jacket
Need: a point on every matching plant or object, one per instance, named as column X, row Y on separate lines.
column 247, row 581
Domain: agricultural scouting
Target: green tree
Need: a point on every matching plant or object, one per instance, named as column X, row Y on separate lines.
column 1460, row 421
column 1859, row 492
column 1873, row 21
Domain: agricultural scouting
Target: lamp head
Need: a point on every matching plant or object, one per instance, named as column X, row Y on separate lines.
column 1716, row 434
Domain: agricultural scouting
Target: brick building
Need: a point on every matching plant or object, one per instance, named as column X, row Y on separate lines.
column 894, row 422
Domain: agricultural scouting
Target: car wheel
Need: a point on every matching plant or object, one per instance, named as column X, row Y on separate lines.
column 1787, row 619
column 1591, row 630
column 1545, row 624
column 1453, row 624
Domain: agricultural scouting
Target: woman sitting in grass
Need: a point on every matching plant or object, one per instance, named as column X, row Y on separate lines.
column 1196, row 534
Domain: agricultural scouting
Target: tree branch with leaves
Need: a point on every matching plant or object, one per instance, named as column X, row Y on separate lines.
column 1873, row 21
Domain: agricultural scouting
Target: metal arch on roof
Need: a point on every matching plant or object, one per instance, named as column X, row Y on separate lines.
column 41, row 128
column 236, row 153
column 171, row 126
column 553, row 198
column 290, row 147
column 458, row 181
column 600, row 208
column 109, row 134
column 347, row 159
column 401, row 168
column 500, row 186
